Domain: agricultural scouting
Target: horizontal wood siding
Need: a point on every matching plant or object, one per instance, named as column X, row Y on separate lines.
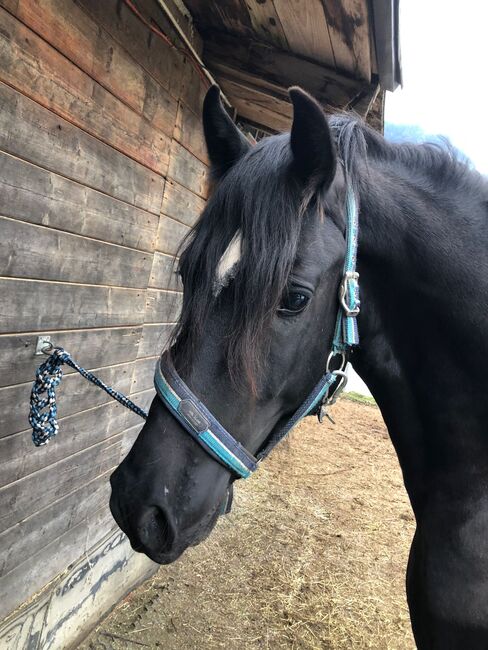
column 103, row 172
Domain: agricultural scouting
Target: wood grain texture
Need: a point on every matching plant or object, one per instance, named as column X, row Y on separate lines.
column 56, row 481
column 186, row 169
column 19, row 458
column 162, row 306
column 266, row 23
column 19, row 540
column 305, row 28
column 45, row 562
column 39, row 71
column 73, row 395
column 171, row 235
column 189, row 132
column 79, row 38
column 281, row 68
column 37, row 252
column 164, row 273
column 163, row 62
column 143, row 376
column 181, row 204
column 258, row 106
column 349, row 29
column 33, row 133
column 89, row 347
column 33, row 194
column 70, row 305
column 155, row 338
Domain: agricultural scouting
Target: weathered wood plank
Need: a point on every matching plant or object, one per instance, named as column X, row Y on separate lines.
column 230, row 15
column 155, row 339
column 73, row 395
column 71, row 305
column 162, row 306
column 143, row 377
column 305, row 28
column 32, row 194
column 39, row 71
column 186, row 169
column 348, row 24
column 89, row 347
column 46, row 562
column 181, row 204
column 280, row 67
column 79, row 38
column 33, row 133
column 170, row 236
column 19, row 458
column 49, row 524
column 194, row 88
column 266, row 22
column 189, row 132
column 164, row 273
column 31, row 251
column 17, row 500
column 164, row 63
column 258, row 106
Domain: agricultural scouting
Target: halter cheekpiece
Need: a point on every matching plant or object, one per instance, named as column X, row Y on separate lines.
column 205, row 429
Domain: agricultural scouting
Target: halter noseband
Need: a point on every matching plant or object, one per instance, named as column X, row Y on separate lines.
column 203, row 427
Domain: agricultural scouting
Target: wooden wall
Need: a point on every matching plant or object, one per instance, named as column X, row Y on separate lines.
column 102, row 172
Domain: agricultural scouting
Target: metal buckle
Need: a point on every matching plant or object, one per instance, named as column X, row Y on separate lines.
column 332, row 399
column 347, row 277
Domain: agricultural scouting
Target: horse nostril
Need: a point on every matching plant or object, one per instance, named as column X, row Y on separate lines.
column 155, row 530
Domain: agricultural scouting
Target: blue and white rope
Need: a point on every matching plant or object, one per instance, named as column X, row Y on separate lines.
column 43, row 415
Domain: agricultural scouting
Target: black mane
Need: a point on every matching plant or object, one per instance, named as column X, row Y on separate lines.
column 261, row 197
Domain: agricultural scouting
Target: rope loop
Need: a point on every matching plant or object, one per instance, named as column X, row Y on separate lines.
column 43, row 415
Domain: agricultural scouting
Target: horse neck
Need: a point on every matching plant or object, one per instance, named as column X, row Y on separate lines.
column 423, row 274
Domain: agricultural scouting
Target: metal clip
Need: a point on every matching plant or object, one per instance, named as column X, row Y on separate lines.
column 347, row 277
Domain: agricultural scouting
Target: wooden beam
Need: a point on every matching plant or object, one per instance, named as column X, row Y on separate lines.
column 266, row 23
column 305, row 28
column 279, row 67
column 348, row 25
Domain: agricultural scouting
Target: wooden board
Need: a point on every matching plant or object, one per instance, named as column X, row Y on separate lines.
column 32, row 133
column 73, row 395
column 162, row 306
column 281, row 68
column 79, row 38
column 164, row 63
column 17, row 500
column 266, row 23
column 155, row 339
column 305, row 28
column 189, row 132
column 143, row 377
column 171, row 235
column 70, row 305
column 187, row 170
column 31, row 251
column 348, row 24
column 181, row 204
column 19, row 458
column 258, row 106
column 18, row 541
column 30, row 193
column 36, row 69
column 164, row 273
column 89, row 347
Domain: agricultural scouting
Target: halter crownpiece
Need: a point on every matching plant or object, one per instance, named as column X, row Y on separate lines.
column 209, row 433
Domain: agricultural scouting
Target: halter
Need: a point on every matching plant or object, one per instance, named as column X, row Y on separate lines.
column 203, row 427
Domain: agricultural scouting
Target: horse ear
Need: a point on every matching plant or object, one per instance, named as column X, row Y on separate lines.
column 311, row 141
column 225, row 143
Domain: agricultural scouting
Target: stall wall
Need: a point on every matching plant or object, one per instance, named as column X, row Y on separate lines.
column 102, row 172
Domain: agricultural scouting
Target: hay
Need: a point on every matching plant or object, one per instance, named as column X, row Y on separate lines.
column 310, row 558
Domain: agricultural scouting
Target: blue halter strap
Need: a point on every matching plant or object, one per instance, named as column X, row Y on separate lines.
column 208, row 432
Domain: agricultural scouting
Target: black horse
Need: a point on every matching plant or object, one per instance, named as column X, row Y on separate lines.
column 261, row 273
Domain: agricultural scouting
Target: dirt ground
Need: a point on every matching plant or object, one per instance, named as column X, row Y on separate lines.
column 312, row 556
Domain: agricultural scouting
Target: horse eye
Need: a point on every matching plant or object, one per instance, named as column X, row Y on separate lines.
column 293, row 302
